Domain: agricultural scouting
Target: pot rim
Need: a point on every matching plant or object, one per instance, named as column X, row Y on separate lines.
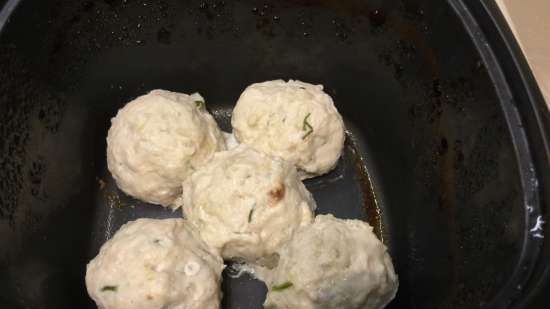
column 528, row 121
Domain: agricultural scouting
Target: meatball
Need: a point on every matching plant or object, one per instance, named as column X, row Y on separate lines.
column 158, row 264
column 332, row 263
column 246, row 204
column 293, row 120
column 157, row 140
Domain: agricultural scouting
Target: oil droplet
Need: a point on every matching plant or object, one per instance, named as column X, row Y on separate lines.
column 377, row 18
column 164, row 36
column 342, row 35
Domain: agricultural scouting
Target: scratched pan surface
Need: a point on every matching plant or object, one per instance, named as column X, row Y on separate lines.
column 430, row 159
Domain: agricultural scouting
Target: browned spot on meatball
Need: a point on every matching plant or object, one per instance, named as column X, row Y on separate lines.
column 149, row 297
column 276, row 194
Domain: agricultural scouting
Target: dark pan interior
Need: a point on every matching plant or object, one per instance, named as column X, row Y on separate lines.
column 429, row 158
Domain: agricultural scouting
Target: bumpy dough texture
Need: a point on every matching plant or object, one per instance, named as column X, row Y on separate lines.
column 246, row 204
column 293, row 120
column 157, row 140
column 155, row 264
column 332, row 263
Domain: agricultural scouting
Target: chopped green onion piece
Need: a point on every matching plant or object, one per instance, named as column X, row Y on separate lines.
column 282, row 286
column 112, row 288
column 199, row 104
column 307, row 126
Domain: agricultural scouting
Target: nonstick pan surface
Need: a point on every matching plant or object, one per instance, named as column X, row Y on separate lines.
column 446, row 152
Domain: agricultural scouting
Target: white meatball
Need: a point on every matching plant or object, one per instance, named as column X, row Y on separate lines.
column 332, row 263
column 246, row 204
column 293, row 120
column 157, row 140
column 155, row 264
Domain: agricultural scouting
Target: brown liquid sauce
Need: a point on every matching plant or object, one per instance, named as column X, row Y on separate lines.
column 369, row 197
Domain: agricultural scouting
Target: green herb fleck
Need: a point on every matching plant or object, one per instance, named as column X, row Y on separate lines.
column 111, row 288
column 307, row 126
column 250, row 215
column 282, row 286
column 200, row 104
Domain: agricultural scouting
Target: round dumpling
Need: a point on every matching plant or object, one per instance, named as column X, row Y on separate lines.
column 332, row 263
column 157, row 140
column 293, row 120
column 158, row 264
column 246, row 204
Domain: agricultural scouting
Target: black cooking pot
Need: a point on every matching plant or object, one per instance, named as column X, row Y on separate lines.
column 447, row 152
